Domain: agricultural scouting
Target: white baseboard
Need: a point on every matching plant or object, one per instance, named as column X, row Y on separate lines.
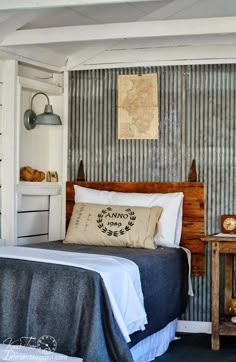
column 193, row 327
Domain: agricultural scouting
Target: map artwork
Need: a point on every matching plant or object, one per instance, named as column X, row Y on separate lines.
column 137, row 106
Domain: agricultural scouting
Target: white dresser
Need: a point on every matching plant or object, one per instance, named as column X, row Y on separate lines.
column 38, row 212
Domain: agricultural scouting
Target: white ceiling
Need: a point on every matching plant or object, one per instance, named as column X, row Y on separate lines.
column 71, row 34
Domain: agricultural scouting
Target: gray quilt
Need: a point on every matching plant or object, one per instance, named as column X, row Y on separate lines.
column 71, row 304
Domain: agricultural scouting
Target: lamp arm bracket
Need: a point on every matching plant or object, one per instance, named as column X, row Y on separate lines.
column 44, row 94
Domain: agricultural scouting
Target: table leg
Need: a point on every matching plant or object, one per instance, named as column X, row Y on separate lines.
column 215, row 339
column 228, row 282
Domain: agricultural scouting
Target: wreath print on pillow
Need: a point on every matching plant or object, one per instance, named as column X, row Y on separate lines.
column 106, row 225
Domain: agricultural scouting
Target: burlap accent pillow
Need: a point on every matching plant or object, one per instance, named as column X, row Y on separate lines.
column 112, row 225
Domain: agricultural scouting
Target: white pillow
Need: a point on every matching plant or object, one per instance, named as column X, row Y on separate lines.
column 170, row 223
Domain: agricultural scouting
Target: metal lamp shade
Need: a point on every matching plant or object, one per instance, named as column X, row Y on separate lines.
column 48, row 117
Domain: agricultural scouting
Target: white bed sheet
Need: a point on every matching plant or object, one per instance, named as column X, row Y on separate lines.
column 155, row 345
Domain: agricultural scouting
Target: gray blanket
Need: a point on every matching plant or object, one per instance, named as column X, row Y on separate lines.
column 71, row 304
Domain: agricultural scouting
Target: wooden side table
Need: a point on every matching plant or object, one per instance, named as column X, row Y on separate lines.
column 221, row 326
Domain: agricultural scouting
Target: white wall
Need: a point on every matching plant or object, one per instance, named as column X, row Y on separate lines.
column 1, row 91
column 9, row 151
column 41, row 148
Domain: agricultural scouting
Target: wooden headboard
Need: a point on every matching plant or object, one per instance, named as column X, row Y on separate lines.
column 193, row 209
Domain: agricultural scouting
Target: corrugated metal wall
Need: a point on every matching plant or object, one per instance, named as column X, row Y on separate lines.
column 197, row 120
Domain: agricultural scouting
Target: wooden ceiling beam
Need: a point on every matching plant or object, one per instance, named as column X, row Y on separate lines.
column 35, row 4
column 40, row 55
column 89, row 52
column 169, row 9
column 13, row 20
column 131, row 30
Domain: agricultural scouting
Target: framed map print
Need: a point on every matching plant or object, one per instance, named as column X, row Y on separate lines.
column 137, row 106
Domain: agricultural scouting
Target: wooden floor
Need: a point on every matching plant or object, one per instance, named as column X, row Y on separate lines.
column 197, row 348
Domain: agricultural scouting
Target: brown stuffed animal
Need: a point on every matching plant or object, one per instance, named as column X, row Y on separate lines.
column 28, row 173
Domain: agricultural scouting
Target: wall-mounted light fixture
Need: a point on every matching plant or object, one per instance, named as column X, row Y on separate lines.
column 46, row 118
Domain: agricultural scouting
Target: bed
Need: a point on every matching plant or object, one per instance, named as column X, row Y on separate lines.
column 72, row 304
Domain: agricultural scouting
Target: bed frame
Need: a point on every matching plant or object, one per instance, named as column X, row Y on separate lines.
column 193, row 209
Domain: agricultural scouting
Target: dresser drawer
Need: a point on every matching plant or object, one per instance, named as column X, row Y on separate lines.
column 33, row 203
column 32, row 223
column 0, row 119
column 32, row 240
column 1, row 91
column 0, row 146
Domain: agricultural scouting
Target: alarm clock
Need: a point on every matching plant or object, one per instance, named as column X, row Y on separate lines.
column 228, row 224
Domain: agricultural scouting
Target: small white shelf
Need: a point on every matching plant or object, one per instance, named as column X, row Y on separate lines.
column 39, row 188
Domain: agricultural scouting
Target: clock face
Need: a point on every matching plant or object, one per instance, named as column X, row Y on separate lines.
column 47, row 342
column 229, row 223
